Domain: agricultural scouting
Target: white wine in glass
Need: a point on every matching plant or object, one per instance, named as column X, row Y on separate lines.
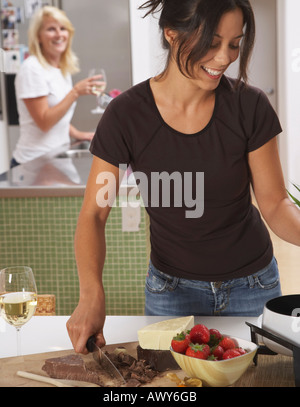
column 98, row 90
column 18, row 297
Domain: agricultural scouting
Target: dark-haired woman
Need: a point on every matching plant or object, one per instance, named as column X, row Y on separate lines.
column 211, row 254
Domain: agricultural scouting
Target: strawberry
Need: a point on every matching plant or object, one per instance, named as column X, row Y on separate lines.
column 206, row 349
column 216, row 333
column 215, row 337
column 197, row 351
column 227, row 343
column 231, row 353
column 180, row 342
column 218, row 352
column 241, row 350
column 199, row 334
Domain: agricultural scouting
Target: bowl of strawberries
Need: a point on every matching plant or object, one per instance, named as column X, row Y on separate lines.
column 217, row 359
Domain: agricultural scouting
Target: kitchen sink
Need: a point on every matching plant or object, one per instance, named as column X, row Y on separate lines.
column 80, row 145
column 75, row 154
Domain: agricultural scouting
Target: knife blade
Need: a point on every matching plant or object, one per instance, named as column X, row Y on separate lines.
column 102, row 360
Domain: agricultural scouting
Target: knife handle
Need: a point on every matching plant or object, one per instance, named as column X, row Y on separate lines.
column 90, row 345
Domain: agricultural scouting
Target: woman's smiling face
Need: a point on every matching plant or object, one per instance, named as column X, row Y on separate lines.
column 224, row 50
column 53, row 38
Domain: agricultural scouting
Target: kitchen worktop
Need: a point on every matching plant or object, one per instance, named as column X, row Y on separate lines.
column 53, row 174
column 45, row 337
column 62, row 172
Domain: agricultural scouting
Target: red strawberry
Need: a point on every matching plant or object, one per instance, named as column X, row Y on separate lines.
column 197, row 351
column 216, row 333
column 215, row 337
column 180, row 342
column 227, row 343
column 206, row 349
column 199, row 334
column 241, row 350
column 218, row 352
column 231, row 353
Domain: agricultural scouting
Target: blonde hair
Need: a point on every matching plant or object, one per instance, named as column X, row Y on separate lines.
column 69, row 61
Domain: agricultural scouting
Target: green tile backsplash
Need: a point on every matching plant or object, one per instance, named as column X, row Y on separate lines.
column 39, row 232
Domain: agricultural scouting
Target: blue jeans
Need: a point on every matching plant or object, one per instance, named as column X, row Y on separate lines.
column 13, row 163
column 173, row 296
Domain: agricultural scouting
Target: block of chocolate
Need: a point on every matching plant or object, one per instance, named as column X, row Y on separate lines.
column 155, row 341
column 160, row 360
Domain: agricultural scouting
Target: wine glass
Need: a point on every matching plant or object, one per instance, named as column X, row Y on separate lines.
column 98, row 91
column 18, row 297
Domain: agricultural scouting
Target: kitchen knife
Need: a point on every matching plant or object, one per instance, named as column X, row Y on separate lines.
column 100, row 357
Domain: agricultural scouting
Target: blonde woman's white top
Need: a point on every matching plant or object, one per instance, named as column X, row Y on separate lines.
column 34, row 80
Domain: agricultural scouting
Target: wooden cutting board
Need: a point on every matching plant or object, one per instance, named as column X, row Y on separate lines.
column 271, row 371
column 33, row 364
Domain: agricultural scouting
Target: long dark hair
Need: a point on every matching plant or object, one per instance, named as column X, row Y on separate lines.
column 196, row 22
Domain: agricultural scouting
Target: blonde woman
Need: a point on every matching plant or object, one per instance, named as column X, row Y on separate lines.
column 46, row 97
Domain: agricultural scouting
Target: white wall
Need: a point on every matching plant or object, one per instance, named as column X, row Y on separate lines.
column 289, row 87
column 148, row 57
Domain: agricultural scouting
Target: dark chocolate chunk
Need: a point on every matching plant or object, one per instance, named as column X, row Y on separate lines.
column 160, row 360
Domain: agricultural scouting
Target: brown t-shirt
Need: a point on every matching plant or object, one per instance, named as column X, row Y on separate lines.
column 223, row 236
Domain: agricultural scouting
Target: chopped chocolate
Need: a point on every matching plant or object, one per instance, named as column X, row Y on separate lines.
column 132, row 369
column 159, row 360
column 121, row 359
column 141, row 378
column 73, row 367
column 150, row 373
column 133, row 383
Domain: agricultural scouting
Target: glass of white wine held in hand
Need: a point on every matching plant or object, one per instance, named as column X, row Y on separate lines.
column 18, row 297
column 98, row 90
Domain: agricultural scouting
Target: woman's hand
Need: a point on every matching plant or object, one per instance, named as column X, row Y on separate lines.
column 80, row 135
column 86, row 136
column 85, row 87
column 87, row 320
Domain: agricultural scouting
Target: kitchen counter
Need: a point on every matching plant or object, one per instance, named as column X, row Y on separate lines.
column 53, row 174
column 43, row 337
column 61, row 173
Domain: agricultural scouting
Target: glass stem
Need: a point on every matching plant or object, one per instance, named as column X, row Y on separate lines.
column 19, row 351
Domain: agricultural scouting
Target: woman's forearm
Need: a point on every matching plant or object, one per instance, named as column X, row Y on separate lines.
column 80, row 135
column 281, row 215
column 54, row 114
column 90, row 251
column 89, row 316
column 284, row 221
column 46, row 117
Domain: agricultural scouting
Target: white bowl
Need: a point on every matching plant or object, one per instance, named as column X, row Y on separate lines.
column 217, row 373
column 280, row 318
